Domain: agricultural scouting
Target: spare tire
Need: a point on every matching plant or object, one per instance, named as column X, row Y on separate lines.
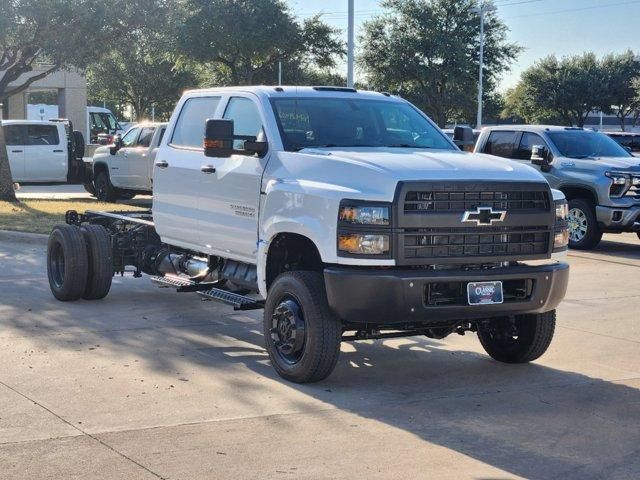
column 78, row 144
column 100, row 256
column 67, row 263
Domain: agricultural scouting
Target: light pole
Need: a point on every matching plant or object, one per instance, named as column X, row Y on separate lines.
column 350, row 45
column 481, row 9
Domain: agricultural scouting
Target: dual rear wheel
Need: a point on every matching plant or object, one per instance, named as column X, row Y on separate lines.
column 79, row 262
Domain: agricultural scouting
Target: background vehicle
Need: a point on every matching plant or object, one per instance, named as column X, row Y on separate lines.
column 102, row 125
column 125, row 168
column 600, row 179
column 348, row 215
column 45, row 151
column 630, row 141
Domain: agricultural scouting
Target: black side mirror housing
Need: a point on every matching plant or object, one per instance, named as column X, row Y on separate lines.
column 463, row 138
column 219, row 137
column 541, row 156
column 117, row 144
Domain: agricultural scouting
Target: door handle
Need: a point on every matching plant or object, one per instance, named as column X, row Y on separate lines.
column 16, row 151
column 208, row 169
column 57, row 151
column 162, row 164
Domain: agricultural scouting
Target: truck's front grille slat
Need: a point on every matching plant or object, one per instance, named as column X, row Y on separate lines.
column 420, row 201
column 633, row 192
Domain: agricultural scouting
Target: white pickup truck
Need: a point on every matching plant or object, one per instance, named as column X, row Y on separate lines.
column 125, row 168
column 344, row 215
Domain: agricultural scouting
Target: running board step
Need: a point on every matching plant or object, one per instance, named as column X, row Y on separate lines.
column 170, row 281
column 239, row 302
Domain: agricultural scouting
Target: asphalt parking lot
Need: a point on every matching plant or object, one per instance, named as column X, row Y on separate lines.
column 153, row 384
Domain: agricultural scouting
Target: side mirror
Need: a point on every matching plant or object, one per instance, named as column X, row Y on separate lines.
column 219, row 138
column 541, row 156
column 463, row 138
column 117, row 144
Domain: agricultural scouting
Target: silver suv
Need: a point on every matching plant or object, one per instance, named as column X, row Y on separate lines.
column 600, row 179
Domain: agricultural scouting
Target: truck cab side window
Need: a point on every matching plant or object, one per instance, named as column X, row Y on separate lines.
column 15, row 134
column 527, row 141
column 129, row 139
column 246, row 119
column 189, row 129
column 43, row 135
column 501, row 143
column 145, row 137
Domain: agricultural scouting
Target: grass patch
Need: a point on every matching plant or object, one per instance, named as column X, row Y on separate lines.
column 39, row 216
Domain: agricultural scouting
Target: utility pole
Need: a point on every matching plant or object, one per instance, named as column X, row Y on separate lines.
column 279, row 72
column 481, row 9
column 350, row 45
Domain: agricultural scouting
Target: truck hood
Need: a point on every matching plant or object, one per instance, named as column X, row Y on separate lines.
column 422, row 164
column 617, row 163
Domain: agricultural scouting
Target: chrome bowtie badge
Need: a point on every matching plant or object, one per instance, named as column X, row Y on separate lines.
column 484, row 216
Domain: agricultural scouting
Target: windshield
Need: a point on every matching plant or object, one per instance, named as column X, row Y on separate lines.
column 586, row 144
column 340, row 122
column 105, row 122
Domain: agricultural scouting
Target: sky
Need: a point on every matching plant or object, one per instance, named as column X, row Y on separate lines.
column 542, row 27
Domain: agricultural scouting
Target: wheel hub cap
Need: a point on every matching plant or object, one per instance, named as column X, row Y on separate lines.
column 577, row 225
column 287, row 330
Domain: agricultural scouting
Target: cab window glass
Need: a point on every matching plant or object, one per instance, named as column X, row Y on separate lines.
column 43, row 135
column 246, row 119
column 501, row 143
column 527, row 141
column 15, row 134
column 189, row 130
column 144, row 140
column 130, row 138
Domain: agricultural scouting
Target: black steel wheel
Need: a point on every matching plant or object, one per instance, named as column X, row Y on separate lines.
column 302, row 335
column 67, row 263
column 100, row 256
column 520, row 339
column 105, row 191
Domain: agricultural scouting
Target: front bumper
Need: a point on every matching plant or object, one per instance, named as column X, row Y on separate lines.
column 618, row 219
column 388, row 297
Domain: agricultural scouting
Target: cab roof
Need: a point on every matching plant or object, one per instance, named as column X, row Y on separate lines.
column 30, row 122
column 297, row 91
column 536, row 128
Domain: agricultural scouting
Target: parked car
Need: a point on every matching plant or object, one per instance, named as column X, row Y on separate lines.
column 347, row 214
column 630, row 141
column 125, row 168
column 45, row 151
column 600, row 179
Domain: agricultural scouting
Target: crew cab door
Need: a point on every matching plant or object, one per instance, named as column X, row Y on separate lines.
column 45, row 155
column 138, row 160
column 16, row 139
column 178, row 200
column 231, row 188
column 119, row 171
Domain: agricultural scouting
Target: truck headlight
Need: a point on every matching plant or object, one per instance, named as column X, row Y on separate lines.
column 363, row 243
column 365, row 214
column 561, row 230
column 620, row 183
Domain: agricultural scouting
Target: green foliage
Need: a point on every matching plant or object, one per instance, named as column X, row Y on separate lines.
column 427, row 51
column 620, row 72
column 245, row 38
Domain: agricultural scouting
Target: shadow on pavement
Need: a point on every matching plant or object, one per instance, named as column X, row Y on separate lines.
column 530, row 420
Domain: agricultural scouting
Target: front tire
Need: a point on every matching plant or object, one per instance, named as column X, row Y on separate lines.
column 89, row 188
column 67, row 263
column 584, row 231
column 105, row 191
column 522, row 339
column 302, row 335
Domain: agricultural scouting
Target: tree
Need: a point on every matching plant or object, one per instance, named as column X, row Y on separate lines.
column 248, row 37
column 620, row 72
column 566, row 89
column 57, row 34
column 141, row 75
column 427, row 51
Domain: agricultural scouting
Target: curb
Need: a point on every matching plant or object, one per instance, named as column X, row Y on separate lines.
column 23, row 237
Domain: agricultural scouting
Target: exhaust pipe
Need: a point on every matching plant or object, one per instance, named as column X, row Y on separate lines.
column 197, row 269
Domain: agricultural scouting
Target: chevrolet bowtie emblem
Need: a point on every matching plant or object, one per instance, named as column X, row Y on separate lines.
column 484, row 216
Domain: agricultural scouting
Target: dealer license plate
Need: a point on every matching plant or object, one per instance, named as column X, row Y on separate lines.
column 484, row 293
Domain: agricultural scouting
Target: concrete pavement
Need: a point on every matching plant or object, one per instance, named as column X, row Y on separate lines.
column 149, row 383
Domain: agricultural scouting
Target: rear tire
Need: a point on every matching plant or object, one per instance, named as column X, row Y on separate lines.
column 584, row 231
column 90, row 189
column 105, row 191
column 100, row 256
column 67, row 263
column 521, row 341
column 302, row 335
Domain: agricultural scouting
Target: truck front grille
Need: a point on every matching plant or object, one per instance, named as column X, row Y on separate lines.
column 474, row 242
column 457, row 201
column 633, row 193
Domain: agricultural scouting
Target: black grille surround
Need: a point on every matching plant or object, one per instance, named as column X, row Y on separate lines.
column 435, row 233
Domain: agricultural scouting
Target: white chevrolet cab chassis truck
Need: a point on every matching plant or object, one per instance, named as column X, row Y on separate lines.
column 344, row 215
